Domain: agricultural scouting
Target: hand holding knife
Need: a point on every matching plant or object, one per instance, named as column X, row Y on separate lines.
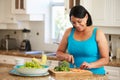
column 70, row 59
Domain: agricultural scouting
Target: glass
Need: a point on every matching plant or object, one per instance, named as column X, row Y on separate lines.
column 19, row 61
column 60, row 21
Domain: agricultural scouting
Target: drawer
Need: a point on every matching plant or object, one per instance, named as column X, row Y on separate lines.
column 113, row 78
column 113, row 71
column 7, row 59
column 11, row 59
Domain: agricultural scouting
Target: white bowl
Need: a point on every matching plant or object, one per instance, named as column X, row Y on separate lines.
column 19, row 61
column 30, row 71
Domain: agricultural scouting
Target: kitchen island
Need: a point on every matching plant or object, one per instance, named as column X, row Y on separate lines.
column 5, row 68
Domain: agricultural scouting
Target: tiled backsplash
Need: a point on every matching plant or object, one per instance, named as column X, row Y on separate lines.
column 115, row 39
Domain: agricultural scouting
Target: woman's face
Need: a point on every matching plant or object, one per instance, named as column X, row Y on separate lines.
column 79, row 23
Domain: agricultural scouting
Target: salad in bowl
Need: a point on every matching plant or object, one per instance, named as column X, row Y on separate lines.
column 34, row 67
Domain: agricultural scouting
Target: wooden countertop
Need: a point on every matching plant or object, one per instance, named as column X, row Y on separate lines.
column 5, row 68
column 113, row 62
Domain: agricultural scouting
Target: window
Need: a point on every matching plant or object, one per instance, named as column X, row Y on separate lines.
column 59, row 20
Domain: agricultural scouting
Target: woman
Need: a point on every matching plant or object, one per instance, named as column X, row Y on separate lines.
column 83, row 44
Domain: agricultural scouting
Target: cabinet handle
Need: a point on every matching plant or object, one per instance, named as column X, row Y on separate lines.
column 4, row 60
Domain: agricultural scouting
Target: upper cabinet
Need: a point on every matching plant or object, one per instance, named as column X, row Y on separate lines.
column 103, row 12
column 70, row 3
column 5, row 12
column 14, row 15
column 116, row 12
column 18, row 6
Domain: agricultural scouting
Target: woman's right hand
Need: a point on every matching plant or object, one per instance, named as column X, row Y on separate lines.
column 69, row 58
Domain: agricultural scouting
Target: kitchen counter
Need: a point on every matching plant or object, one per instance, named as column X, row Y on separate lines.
column 5, row 68
column 22, row 54
column 113, row 62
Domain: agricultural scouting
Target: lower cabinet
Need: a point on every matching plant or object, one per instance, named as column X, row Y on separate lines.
column 113, row 73
column 7, row 59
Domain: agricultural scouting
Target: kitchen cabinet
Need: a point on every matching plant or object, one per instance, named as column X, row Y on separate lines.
column 113, row 73
column 103, row 12
column 5, row 14
column 13, row 14
column 7, row 19
column 116, row 11
column 3, row 26
column 70, row 3
column 7, row 59
column 18, row 6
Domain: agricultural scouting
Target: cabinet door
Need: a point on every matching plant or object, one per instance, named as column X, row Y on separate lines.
column 19, row 6
column 97, row 10
column 1, row 10
column 11, row 59
column 113, row 78
column 116, row 5
column 5, row 14
column 110, row 12
column 103, row 12
column 113, row 72
column 70, row 3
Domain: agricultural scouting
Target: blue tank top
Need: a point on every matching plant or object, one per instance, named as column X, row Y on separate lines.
column 85, row 50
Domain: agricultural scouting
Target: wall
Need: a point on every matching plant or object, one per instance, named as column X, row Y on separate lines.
column 38, row 41
column 36, row 36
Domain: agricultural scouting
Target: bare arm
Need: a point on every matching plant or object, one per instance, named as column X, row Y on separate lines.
column 103, row 49
column 61, row 51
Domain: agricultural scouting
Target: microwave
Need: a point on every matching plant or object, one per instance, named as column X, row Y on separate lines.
column 9, row 44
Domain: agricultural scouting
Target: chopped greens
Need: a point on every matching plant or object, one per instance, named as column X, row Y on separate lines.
column 63, row 66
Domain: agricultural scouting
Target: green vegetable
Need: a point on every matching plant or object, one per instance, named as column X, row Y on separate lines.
column 31, row 65
column 63, row 66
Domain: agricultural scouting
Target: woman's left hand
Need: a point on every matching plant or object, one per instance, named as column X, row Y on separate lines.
column 85, row 65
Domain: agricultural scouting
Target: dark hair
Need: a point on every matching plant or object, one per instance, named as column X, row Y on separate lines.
column 80, row 12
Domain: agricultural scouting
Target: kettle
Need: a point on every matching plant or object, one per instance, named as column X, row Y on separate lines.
column 25, row 45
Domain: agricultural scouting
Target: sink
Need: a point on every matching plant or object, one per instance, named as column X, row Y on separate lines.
column 51, row 54
column 48, row 53
column 33, row 52
column 40, row 52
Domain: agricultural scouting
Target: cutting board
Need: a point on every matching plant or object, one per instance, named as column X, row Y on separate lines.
column 70, row 73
